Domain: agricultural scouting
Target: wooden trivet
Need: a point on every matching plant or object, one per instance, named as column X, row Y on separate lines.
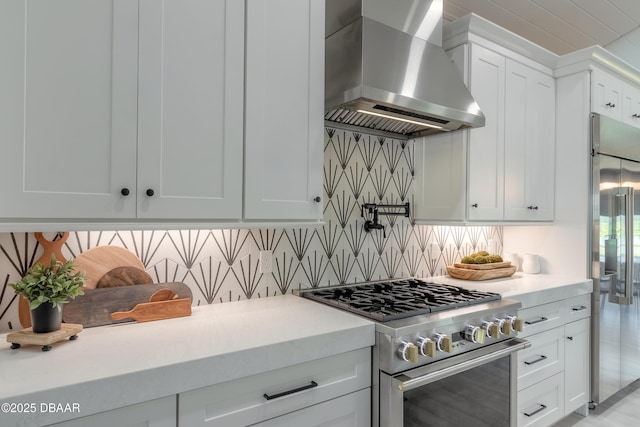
column 28, row 337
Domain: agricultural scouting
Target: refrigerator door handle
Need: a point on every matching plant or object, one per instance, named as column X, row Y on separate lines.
column 628, row 240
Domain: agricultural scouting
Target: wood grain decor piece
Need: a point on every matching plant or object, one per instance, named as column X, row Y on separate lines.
column 28, row 337
column 468, row 274
column 49, row 247
column 124, row 276
column 94, row 308
column 488, row 266
column 100, row 260
column 157, row 310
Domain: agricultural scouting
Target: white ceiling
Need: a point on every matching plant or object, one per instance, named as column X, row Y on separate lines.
column 563, row 26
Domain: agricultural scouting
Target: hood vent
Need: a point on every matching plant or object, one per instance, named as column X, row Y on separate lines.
column 389, row 82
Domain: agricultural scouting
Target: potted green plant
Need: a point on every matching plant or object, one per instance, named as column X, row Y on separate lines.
column 47, row 288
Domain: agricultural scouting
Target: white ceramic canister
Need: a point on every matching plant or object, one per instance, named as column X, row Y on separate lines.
column 530, row 263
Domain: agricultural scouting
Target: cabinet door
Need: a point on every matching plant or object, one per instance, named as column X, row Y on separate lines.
column 529, row 144
column 68, row 108
column 440, row 177
column 630, row 105
column 351, row 410
column 576, row 368
column 284, row 109
column 606, row 94
column 155, row 413
column 485, row 180
column 190, row 112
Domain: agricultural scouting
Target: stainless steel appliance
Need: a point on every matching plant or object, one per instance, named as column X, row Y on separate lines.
column 444, row 355
column 615, row 356
column 386, row 71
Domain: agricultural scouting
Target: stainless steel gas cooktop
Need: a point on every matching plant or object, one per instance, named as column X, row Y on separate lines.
column 398, row 299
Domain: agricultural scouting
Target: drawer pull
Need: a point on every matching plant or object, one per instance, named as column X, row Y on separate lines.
column 288, row 392
column 541, row 408
column 579, row 308
column 533, row 322
column 539, row 359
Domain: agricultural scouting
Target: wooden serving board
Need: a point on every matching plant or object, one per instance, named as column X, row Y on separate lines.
column 98, row 261
column 469, row 274
column 157, row 310
column 489, row 266
column 94, row 308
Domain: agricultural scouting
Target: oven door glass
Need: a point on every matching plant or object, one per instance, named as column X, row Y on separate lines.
column 477, row 397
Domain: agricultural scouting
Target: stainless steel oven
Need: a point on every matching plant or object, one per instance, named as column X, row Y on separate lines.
column 444, row 355
column 477, row 388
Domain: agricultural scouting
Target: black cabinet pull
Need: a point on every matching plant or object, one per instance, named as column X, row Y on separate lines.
column 317, row 199
column 533, row 208
column 124, row 191
column 570, row 338
column 288, row 392
column 580, row 308
column 150, row 192
column 531, row 414
column 475, row 205
column 609, row 104
column 539, row 359
column 533, row 322
column 635, row 116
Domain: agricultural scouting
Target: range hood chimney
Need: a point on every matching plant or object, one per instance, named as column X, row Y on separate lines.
column 386, row 71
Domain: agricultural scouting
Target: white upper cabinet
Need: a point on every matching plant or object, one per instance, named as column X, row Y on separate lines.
column 68, row 108
column 630, row 105
column 606, row 94
column 529, row 144
column 284, row 126
column 190, row 109
column 485, row 179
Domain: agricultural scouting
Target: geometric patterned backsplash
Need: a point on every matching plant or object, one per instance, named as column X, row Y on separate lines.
column 223, row 265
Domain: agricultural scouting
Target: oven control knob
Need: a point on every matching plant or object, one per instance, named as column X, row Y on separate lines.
column 504, row 326
column 443, row 343
column 427, row 346
column 517, row 324
column 491, row 329
column 475, row 334
column 408, row 352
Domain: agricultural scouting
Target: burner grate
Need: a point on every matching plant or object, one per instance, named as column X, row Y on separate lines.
column 399, row 299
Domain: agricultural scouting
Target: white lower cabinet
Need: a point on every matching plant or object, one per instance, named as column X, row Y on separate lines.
column 154, row 413
column 352, row 410
column 553, row 374
column 292, row 395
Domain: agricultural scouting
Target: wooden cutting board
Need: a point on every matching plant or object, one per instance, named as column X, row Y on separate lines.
column 489, row 266
column 50, row 247
column 469, row 274
column 94, row 308
column 157, row 310
column 100, row 260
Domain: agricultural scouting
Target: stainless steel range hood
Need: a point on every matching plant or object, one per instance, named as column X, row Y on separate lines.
column 392, row 77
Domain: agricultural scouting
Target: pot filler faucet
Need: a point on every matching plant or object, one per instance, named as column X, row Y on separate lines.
column 373, row 215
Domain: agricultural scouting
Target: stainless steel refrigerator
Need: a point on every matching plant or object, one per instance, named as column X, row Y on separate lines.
column 615, row 262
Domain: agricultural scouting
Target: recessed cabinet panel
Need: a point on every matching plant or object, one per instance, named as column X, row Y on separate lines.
column 529, row 144
column 284, row 128
column 485, row 182
column 630, row 105
column 68, row 108
column 606, row 94
column 190, row 115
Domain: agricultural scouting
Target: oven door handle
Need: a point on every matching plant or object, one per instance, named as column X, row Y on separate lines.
column 406, row 381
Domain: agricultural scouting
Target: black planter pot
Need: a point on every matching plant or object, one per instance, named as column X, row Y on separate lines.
column 46, row 318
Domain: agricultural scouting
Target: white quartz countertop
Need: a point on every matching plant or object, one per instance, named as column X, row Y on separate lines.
column 113, row 366
column 529, row 289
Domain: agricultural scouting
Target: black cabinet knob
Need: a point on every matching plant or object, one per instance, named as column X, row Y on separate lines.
column 317, row 199
column 533, row 208
column 150, row 192
column 124, row 191
column 611, row 105
column 475, row 205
